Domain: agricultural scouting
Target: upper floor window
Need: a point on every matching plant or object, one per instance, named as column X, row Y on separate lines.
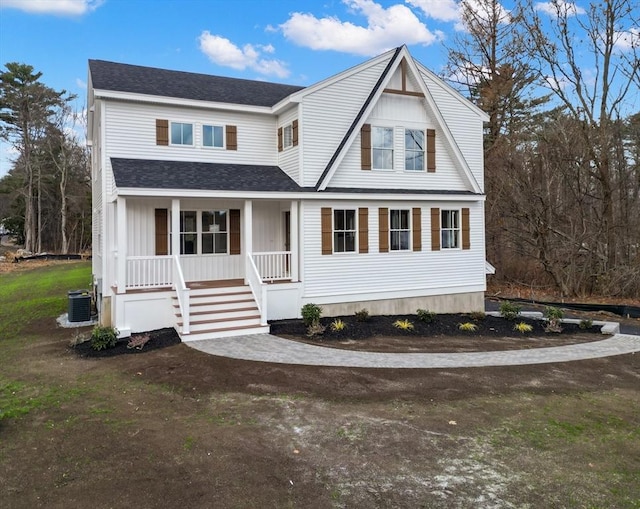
column 212, row 136
column 344, row 231
column 400, row 230
column 287, row 136
column 450, row 229
column 413, row 150
column 181, row 133
column 382, row 148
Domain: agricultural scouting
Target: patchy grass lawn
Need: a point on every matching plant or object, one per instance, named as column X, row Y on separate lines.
column 177, row 428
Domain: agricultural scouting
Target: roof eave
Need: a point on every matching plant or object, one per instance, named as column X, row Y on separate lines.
column 176, row 101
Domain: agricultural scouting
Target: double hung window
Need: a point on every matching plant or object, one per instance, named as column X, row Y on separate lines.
column 413, row 150
column 344, row 231
column 400, row 230
column 382, row 148
column 450, row 229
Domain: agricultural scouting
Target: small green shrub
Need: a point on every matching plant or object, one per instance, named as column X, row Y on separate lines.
column 103, row 337
column 509, row 310
column 523, row 327
column 553, row 316
column 553, row 313
column 426, row 316
column 315, row 329
column 477, row 315
column 311, row 314
column 404, row 325
column 362, row 315
column 585, row 324
column 337, row 325
column 468, row 327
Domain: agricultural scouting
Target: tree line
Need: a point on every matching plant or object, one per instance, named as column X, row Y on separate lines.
column 45, row 198
column 562, row 147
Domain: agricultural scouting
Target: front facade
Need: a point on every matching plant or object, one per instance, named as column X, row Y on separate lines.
column 220, row 203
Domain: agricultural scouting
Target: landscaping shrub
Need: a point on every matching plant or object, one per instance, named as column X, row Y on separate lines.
column 553, row 318
column 585, row 324
column 362, row 315
column 311, row 314
column 404, row 325
column 315, row 329
column 468, row 327
column 426, row 316
column 338, row 325
column 509, row 310
column 103, row 338
column 523, row 327
column 477, row 315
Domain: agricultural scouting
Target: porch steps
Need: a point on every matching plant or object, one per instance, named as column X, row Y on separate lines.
column 220, row 312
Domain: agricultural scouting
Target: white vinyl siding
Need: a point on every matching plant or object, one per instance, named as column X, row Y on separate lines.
column 465, row 124
column 132, row 133
column 288, row 160
column 401, row 112
column 328, row 113
column 434, row 272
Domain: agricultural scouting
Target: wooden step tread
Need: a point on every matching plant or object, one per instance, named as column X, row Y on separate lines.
column 221, row 320
column 223, row 329
column 215, row 294
column 232, row 310
column 194, row 304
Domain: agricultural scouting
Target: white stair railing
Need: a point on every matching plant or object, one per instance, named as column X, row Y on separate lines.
column 183, row 293
column 258, row 288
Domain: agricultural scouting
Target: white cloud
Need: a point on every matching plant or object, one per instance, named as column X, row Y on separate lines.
column 442, row 10
column 223, row 52
column 386, row 29
column 81, row 84
column 557, row 8
column 59, row 7
column 627, row 41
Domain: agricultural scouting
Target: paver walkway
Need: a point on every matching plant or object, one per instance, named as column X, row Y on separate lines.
column 269, row 348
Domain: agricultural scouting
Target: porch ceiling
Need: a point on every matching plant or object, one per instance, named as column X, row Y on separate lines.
column 146, row 173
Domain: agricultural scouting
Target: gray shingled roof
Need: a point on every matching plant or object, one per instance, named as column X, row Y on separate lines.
column 185, row 85
column 144, row 173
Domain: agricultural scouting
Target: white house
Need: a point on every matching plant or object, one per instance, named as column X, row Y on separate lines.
column 222, row 203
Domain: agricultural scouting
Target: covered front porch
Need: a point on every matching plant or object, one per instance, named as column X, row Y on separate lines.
column 254, row 241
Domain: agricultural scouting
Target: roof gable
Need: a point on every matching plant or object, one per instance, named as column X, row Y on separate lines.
column 402, row 63
column 137, row 79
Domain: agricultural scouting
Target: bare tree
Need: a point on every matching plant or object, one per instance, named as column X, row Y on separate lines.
column 595, row 86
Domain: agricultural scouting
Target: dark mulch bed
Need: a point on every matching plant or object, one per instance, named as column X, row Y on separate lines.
column 160, row 338
column 443, row 325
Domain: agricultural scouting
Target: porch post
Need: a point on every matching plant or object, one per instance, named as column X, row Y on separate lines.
column 121, row 235
column 293, row 227
column 247, row 230
column 175, row 229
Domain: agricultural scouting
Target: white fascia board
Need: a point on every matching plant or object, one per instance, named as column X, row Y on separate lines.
column 173, row 101
column 278, row 195
column 454, row 93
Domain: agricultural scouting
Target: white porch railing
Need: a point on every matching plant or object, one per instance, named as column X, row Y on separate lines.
column 274, row 265
column 183, row 294
column 258, row 288
column 149, row 272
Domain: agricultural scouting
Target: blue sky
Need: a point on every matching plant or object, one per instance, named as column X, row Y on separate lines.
column 290, row 41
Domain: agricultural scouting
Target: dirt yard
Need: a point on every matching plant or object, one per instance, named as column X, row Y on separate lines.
column 174, row 427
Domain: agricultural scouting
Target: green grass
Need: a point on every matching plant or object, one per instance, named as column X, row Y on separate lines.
column 27, row 296
column 19, row 398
